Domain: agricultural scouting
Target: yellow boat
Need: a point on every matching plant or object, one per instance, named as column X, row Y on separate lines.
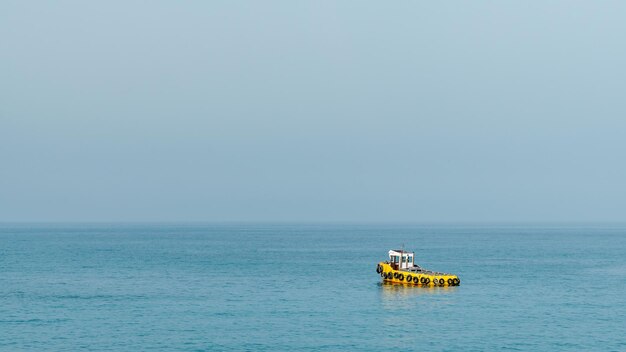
column 401, row 269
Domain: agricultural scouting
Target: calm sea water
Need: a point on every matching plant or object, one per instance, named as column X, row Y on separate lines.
column 309, row 288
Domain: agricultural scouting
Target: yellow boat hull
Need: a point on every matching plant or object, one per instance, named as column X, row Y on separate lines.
column 389, row 274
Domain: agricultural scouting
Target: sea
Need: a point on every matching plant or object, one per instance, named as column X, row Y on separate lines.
column 310, row 287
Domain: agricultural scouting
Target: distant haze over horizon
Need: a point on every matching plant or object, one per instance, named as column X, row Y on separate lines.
column 313, row 111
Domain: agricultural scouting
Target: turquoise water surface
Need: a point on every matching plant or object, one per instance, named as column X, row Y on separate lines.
column 245, row 287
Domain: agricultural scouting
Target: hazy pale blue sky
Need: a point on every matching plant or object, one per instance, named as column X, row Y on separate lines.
column 313, row 111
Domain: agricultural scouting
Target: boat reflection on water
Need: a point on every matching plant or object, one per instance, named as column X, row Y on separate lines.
column 405, row 303
column 394, row 290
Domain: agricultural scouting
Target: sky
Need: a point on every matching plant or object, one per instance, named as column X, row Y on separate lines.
column 329, row 111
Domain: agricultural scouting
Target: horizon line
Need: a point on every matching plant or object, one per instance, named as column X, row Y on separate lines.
column 324, row 222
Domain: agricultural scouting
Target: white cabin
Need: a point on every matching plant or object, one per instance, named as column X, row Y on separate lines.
column 400, row 259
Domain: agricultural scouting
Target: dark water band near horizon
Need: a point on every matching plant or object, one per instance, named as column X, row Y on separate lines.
column 307, row 287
